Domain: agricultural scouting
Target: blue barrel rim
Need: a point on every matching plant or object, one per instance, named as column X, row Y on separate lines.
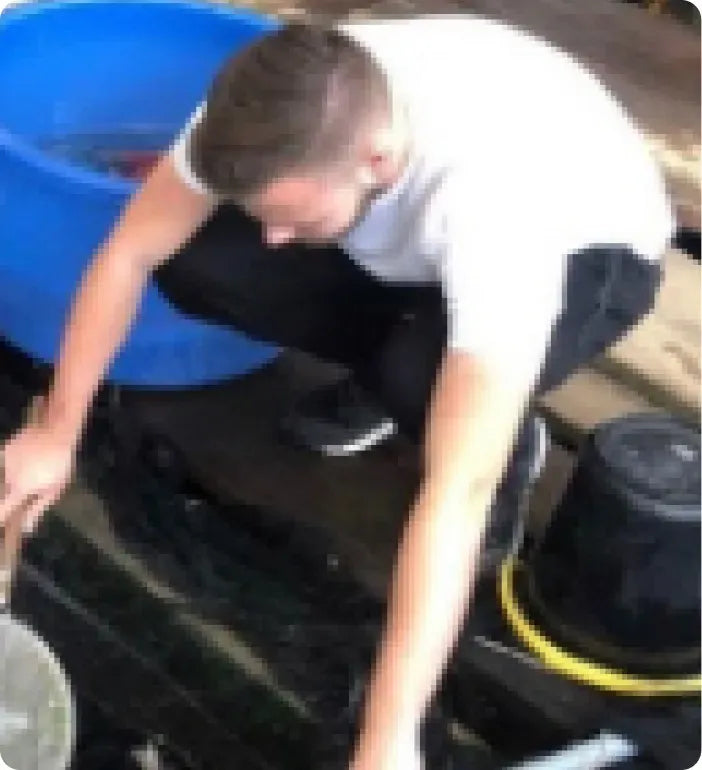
column 73, row 174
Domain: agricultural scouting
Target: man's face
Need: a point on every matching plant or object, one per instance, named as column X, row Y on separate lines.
column 315, row 209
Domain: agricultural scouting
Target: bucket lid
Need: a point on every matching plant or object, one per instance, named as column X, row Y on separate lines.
column 657, row 458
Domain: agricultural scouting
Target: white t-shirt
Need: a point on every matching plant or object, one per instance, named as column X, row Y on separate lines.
column 520, row 156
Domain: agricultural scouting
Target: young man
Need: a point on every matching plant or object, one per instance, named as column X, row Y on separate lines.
column 456, row 211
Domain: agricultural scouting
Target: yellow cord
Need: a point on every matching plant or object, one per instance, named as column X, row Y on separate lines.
column 573, row 667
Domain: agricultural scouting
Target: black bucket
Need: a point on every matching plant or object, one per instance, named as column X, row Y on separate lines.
column 616, row 575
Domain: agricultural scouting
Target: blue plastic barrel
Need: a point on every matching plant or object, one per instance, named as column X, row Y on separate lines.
column 91, row 67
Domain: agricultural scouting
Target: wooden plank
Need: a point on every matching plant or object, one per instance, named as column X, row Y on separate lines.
column 227, row 435
column 587, row 398
column 227, row 438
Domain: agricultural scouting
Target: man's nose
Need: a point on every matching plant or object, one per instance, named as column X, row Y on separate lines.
column 278, row 236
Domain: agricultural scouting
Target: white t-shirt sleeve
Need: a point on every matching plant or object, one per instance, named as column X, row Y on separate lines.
column 180, row 154
column 504, row 284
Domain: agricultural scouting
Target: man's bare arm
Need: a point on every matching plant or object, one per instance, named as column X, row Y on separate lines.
column 471, row 428
column 158, row 219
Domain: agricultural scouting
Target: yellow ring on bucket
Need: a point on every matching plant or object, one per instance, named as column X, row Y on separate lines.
column 573, row 667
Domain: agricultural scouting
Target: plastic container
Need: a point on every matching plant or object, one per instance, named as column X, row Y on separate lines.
column 97, row 69
column 616, row 575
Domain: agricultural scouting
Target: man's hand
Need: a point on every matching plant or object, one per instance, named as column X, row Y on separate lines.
column 37, row 464
column 401, row 754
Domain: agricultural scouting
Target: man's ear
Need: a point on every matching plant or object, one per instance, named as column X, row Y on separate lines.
column 367, row 174
column 375, row 163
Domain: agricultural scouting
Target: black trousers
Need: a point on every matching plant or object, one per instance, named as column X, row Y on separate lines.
column 391, row 336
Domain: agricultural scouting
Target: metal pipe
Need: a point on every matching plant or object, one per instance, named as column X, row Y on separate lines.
column 602, row 750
